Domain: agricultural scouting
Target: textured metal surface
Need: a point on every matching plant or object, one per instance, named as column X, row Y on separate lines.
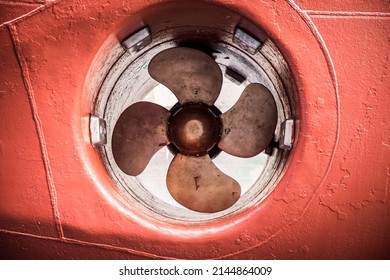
column 248, row 127
column 194, row 129
column 140, row 132
column 191, row 75
column 57, row 200
column 196, row 183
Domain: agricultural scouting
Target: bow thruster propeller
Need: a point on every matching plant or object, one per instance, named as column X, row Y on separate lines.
column 194, row 129
column 191, row 75
column 196, row 183
column 138, row 134
column 248, row 127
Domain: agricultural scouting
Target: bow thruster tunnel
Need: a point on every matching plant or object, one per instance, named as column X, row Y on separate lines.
column 220, row 89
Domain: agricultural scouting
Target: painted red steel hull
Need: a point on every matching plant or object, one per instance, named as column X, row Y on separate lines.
column 57, row 200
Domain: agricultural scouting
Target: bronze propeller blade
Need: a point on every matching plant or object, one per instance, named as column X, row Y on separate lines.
column 248, row 127
column 190, row 74
column 197, row 184
column 138, row 134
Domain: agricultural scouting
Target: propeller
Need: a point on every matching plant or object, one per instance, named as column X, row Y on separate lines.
column 193, row 180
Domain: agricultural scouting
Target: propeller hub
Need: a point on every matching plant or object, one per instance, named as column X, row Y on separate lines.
column 194, row 129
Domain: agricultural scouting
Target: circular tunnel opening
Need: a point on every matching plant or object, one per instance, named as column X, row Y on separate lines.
column 244, row 54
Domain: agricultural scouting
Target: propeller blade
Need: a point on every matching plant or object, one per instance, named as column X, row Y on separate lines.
column 138, row 134
column 190, row 74
column 248, row 127
column 197, row 184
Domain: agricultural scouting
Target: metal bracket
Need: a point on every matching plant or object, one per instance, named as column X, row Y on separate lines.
column 138, row 40
column 246, row 41
column 98, row 130
column 286, row 135
column 234, row 76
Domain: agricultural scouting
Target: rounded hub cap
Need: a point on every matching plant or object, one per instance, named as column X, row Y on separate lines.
column 194, row 129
